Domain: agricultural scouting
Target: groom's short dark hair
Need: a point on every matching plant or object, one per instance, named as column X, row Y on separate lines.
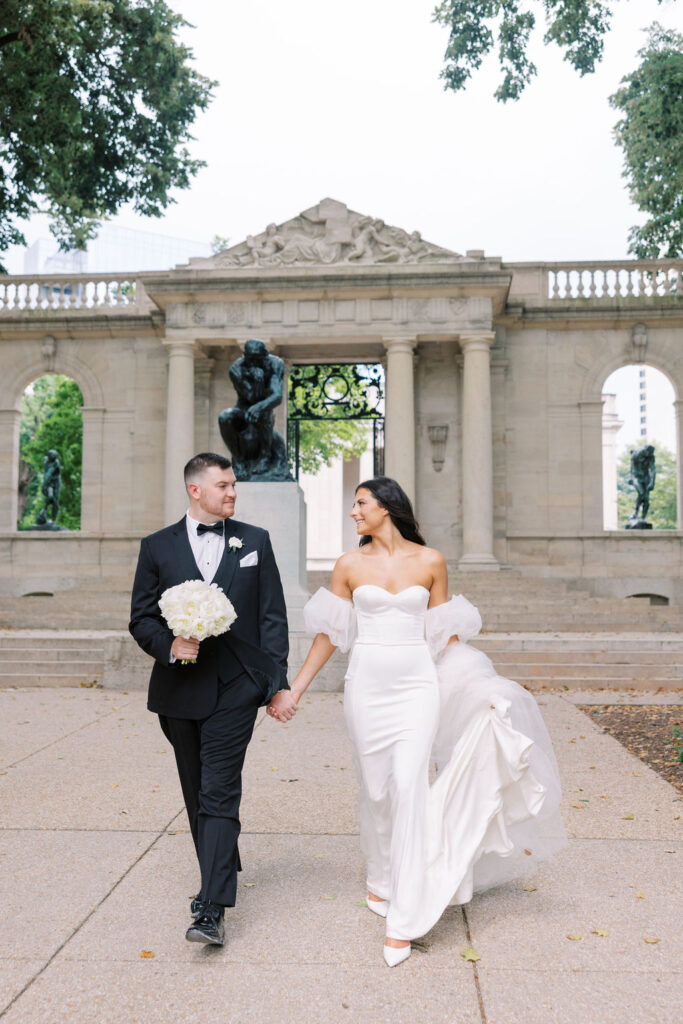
column 198, row 463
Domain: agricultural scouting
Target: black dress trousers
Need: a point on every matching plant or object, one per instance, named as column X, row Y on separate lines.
column 210, row 756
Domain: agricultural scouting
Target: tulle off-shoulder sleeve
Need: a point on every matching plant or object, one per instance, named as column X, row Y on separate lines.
column 457, row 616
column 332, row 615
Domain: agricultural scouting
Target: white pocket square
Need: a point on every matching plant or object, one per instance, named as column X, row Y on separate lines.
column 250, row 559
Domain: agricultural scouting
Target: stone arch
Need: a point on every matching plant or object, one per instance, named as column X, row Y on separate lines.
column 597, row 374
column 93, row 410
column 601, row 372
column 70, row 366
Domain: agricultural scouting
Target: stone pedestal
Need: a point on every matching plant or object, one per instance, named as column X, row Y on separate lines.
column 279, row 507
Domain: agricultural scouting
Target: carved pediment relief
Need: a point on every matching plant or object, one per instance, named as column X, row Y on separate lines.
column 330, row 234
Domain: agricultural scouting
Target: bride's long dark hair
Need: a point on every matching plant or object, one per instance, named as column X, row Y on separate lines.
column 394, row 499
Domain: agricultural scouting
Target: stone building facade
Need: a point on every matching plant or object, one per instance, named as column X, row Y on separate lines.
column 510, row 358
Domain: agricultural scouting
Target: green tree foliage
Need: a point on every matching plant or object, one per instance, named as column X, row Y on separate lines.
column 219, row 243
column 650, row 133
column 577, row 26
column 662, row 512
column 51, row 418
column 321, row 442
column 97, row 98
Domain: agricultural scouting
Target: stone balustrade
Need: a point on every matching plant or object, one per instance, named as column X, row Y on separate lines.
column 48, row 292
column 615, row 279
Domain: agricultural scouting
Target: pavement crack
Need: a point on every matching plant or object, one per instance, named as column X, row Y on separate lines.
column 477, row 985
column 87, row 917
column 64, row 736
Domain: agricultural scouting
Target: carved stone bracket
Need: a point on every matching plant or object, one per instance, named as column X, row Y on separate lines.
column 48, row 350
column 438, row 435
column 639, row 343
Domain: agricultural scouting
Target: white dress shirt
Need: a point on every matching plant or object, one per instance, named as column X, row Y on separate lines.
column 207, row 549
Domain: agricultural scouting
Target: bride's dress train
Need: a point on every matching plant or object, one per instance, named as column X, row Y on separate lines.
column 493, row 810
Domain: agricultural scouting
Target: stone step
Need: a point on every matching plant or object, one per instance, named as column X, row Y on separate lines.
column 591, row 670
column 44, row 666
column 619, row 643
column 559, row 682
column 59, row 640
column 623, row 659
column 45, row 655
column 52, row 679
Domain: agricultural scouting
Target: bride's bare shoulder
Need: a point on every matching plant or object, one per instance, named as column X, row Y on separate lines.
column 433, row 558
column 343, row 568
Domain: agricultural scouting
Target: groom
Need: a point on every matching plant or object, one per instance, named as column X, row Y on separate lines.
column 207, row 710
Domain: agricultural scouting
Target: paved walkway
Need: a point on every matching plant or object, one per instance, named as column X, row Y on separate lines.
column 97, row 867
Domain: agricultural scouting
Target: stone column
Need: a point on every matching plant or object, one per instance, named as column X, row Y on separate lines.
column 678, row 410
column 477, row 453
column 92, row 497
column 9, row 468
column 399, row 427
column 592, row 516
column 611, row 425
column 179, row 424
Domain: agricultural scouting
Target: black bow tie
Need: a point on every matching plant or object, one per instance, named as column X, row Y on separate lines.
column 214, row 528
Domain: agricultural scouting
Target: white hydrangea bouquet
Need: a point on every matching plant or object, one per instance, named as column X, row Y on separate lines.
column 196, row 609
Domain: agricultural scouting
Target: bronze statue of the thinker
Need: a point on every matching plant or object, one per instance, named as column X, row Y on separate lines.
column 258, row 451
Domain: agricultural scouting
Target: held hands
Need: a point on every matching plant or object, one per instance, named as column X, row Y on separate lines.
column 283, row 706
column 185, row 650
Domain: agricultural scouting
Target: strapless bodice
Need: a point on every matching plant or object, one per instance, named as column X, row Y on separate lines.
column 390, row 619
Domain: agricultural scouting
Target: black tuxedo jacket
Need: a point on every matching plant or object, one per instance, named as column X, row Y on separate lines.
column 257, row 641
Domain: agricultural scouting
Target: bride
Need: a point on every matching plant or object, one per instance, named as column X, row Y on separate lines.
column 415, row 692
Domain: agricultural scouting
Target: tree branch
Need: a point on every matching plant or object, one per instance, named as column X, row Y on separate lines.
column 11, row 37
column 21, row 34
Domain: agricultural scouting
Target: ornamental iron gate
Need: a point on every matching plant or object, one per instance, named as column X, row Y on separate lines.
column 324, row 392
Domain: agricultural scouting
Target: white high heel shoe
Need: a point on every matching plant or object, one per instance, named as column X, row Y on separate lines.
column 378, row 907
column 393, row 957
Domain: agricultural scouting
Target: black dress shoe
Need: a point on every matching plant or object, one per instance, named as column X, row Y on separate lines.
column 208, row 925
column 196, row 904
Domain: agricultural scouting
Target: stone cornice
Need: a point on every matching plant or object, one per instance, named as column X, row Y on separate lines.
column 35, row 324
column 481, row 278
column 599, row 314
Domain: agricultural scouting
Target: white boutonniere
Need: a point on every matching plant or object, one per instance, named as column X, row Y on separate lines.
column 235, row 543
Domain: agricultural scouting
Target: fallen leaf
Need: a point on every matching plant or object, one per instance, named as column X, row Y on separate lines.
column 591, row 767
column 628, row 817
column 640, row 895
column 530, row 888
column 319, row 856
column 147, row 954
column 575, row 938
column 579, row 807
column 470, row 956
column 328, row 897
column 249, row 885
column 651, row 942
column 604, row 796
column 601, row 932
column 527, row 853
column 362, row 903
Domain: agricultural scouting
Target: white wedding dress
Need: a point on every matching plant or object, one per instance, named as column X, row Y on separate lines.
column 492, row 811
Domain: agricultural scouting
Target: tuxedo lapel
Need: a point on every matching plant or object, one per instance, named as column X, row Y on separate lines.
column 226, row 568
column 187, row 567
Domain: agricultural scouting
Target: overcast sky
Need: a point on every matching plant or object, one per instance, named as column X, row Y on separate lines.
column 344, row 100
